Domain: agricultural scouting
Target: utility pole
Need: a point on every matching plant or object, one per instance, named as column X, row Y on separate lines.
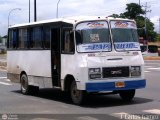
column 35, row 11
column 145, row 22
column 29, row 11
column 57, row 8
column 10, row 13
column 159, row 25
column 140, row 2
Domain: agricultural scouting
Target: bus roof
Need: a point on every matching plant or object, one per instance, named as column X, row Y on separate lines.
column 71, row 20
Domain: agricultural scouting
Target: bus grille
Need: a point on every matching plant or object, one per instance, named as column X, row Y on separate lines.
column 115, row 72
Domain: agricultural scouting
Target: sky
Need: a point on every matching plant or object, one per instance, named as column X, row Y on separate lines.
column 46, row 9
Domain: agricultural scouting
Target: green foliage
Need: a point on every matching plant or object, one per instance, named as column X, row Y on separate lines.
column 158, row 37
column 135, row 11
column 114, row 15
column 0, row 39
column 132, row 11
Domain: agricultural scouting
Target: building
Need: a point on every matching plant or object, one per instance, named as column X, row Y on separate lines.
column 3, row 44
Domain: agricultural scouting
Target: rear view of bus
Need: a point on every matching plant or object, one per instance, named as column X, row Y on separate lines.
column 111, row 59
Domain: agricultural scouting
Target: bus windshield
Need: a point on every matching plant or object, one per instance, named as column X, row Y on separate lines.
column 124, row 34
column 93, row 36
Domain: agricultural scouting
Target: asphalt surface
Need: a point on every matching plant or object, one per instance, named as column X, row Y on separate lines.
column 52, row 104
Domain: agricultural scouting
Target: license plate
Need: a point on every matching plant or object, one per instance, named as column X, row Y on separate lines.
column 119, row 84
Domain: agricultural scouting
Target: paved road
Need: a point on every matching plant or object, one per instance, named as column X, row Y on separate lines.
column 54, row 104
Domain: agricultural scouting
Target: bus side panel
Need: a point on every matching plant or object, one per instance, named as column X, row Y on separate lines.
column 76, row 66
column 35, row 63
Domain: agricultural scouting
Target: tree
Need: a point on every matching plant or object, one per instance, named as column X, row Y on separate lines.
column 114, row 15
column 158, row 37
column 0, row 39
column 135, row 11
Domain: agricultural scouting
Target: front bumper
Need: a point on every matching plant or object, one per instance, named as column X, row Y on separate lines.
column 110, row 86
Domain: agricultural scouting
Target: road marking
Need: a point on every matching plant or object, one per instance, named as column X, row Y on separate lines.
column 148, row 66
column 147, row 71
column 87, row 118
column 153, row 111
column 3, row 77
column 154, row 68
column 8, row 80
column 3, row 83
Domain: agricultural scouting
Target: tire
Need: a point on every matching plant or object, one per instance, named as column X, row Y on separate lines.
column 26, row 89
column 127, row 95
column 77, row 96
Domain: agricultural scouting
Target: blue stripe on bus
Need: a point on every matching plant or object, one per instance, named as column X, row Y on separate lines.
column 110, row 86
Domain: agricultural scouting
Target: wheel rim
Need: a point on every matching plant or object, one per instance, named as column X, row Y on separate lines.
column 24, row 83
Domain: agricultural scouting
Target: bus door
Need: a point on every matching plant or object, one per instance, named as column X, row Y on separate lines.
column 55, row 56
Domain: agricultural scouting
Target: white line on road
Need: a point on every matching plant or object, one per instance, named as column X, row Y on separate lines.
column 3, row 83
column 3, row 77
column 87, row 118
column 153, row 111
column 147, row 71
column 154, row 68
column 148, row 66
column 7, row 80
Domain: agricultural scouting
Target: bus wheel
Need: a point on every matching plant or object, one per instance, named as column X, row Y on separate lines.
column 127, row 95
column 77, row 96
column 25, row 88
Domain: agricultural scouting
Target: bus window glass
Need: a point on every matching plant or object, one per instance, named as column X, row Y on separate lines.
column 46, row 37
column 15, row 38
column 68, row 42
column 10, row 40
column 93, row 36
column 36, row 38
column 125, row 35
column 23, row 43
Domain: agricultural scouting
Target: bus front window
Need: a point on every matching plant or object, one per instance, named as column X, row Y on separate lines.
column 93, row 37
column 125, row 35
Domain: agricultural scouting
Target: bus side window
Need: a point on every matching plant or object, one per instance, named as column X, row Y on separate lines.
column 22, row 38
column 68, row 42
column 10, row 39
column 36, row 38
column 46, row 37
column 13, row 39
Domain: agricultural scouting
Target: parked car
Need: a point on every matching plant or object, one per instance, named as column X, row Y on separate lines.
column 150, row 50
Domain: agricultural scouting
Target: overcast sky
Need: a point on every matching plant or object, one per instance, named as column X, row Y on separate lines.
column 46, row 9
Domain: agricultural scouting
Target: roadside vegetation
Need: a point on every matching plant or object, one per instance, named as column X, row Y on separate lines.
column 136, row 12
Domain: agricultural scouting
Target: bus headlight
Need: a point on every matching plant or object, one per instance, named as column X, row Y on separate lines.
column 135, row 71
column 94, row 73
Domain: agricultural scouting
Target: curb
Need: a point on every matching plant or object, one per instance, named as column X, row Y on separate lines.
column 151, row 58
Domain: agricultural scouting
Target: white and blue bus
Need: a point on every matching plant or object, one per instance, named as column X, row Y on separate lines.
column 81, row 55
